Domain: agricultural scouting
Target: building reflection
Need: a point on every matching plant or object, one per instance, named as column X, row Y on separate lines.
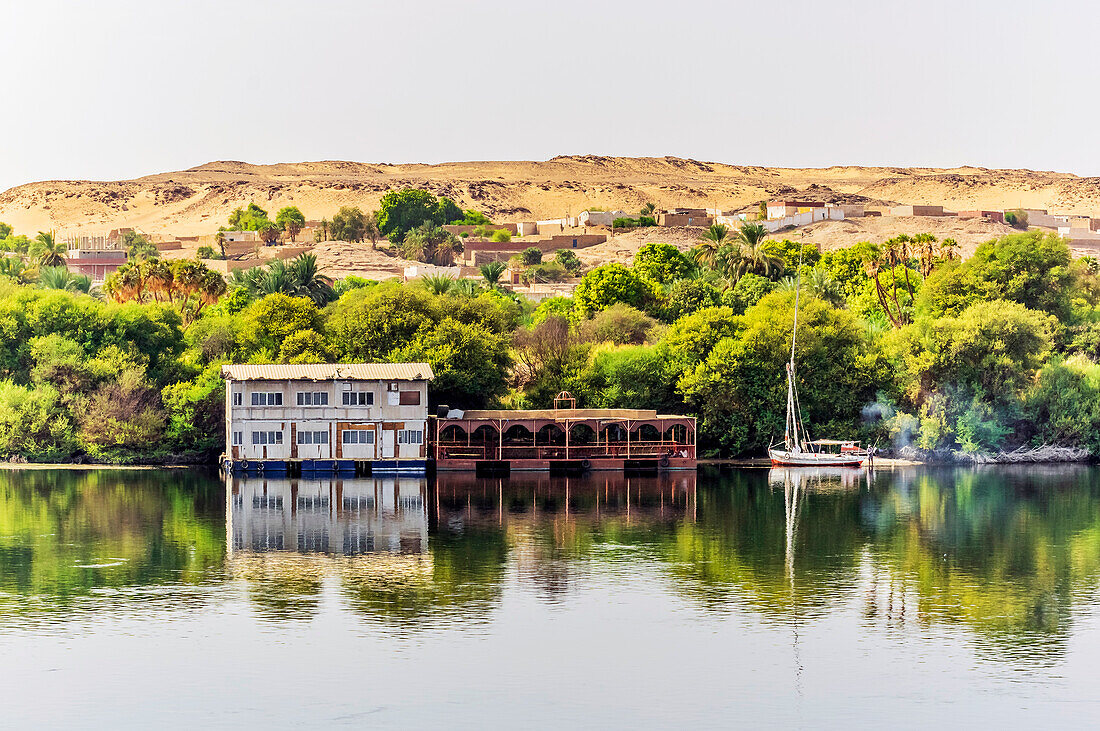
column 347, row 517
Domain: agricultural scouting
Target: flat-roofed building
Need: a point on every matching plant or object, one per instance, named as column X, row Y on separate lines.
column 341, row 418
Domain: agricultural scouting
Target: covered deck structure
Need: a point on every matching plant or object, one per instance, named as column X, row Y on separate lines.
column 565, row 439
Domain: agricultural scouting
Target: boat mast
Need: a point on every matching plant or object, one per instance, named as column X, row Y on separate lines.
column 793, row 428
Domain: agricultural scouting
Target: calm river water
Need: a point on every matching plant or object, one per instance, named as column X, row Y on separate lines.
column 913, row 597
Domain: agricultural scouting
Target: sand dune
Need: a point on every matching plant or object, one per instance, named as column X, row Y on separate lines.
column 198, row 200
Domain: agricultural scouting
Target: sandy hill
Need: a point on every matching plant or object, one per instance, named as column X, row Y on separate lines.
column 198, row 200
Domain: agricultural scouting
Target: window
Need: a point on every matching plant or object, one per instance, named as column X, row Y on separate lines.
column 358, row 436
column 263, row 398
column 267, row 437
column 238, row 438
column 238, row 398
column 410, row 436
column 313, row 437
column 410, row 398
column 358, row 398
column 313, row 398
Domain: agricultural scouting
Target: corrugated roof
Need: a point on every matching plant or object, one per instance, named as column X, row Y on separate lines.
column 328, row 372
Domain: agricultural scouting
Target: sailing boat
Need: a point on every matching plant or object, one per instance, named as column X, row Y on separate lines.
column 798, row 450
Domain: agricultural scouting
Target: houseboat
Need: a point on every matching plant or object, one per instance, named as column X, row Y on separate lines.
column 358, row 418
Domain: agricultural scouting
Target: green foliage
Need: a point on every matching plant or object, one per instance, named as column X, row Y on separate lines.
column 431, row 244
column 623, row 377
column 739, row 389
column 1064, row 406
column 793, row 254
column 5, row 230
column 34, row 424
column 473, row 218
column 300, row 278
column 690, row 295
column 291, row 220
column 553, row 307
column 274, row 318
column 501, row 235
column 469, row 362
column 400, row 211
column 993, row 348
column 619, row 324
column 568, row 261
column 492, row 272
column 139, row 247
column 606, row 285
column 1016, row 218
column 207, row 252
column 530, row 256
column 61, row 278
column 252, row 218
column 351, row 282
column 1032, row 269
column 662, row 263
column 349, row 224
column 750, row 289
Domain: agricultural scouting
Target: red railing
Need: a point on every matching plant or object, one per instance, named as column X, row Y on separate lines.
column 616, row 450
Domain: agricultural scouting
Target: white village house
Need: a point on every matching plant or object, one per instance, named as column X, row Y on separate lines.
column 359, row 417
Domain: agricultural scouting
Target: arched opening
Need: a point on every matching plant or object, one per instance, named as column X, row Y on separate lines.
column 676, row 433
column 613, row 434
column 453, row 434
column 484, row 434
column 645, row 433
column 550, row 434
column 580, row 434
column 518, row 434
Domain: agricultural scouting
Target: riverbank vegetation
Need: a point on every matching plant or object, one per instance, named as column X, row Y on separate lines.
column 900, row 342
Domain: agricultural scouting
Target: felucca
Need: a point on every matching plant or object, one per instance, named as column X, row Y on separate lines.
column 798, row 450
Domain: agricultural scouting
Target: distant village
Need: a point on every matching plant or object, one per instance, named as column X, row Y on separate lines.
column 98, row 256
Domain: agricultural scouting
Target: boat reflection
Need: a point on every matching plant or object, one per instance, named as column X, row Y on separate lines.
column 330, row 516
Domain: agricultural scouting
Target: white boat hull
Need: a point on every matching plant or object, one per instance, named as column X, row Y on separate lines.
column 782, row 457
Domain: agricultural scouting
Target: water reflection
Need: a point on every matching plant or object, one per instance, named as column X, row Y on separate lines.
column 1009, row 557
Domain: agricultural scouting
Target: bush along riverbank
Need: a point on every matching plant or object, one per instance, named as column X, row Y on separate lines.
column 900, row 343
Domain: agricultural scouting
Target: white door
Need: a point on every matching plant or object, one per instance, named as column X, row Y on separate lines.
column 388, row 443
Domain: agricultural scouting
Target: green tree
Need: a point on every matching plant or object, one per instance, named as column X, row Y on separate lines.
column 569, row 261
column 619, row 324
column 61, row 278
column 714, row 239
column 662, row 263
column 290, row 220
column 252, row 218
column 400, row 211
column 492, row 272
column 431, row 244
column 606, row 285
column 271, row 320
column 530, row 256
column 5, row 230
column 349, row 224
column 689, row 295
column 47, row 250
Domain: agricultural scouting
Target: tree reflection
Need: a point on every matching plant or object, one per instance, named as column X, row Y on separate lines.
column 70, row 534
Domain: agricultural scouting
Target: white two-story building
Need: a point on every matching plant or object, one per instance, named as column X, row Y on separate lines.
column 327, row 417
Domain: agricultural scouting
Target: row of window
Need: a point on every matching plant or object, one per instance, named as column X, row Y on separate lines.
column 349, row 436
column 320, row 398
column 313, row 437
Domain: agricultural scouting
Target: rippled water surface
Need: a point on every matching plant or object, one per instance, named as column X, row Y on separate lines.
column 736, row 598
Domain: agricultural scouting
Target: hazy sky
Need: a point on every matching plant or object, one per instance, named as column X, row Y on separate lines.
column 113, row 89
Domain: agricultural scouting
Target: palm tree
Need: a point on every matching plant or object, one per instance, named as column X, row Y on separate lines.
column 825, row 286
column 219, row 239
column 926, row 252
column 17, row 269
column 276, row 279
column 309, row 280
column 710, row 243
column 59, row 277
column 648, row 209
column 48, row 250
column 467, row 287
column 757, row 255
column 492, row 272
column 438, row 283
column 949, row 249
